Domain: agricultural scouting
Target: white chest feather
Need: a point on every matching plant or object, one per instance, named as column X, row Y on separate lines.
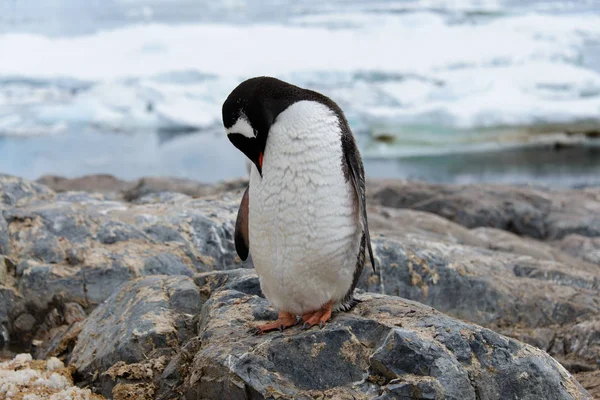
column 303, row 219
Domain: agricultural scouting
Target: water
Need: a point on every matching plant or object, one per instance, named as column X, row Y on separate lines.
column 439, row 90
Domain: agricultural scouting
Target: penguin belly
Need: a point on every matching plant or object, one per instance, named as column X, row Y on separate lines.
column 304, row 228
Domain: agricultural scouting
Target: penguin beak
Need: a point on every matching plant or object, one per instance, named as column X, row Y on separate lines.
column 259, row 163
column 250, row 147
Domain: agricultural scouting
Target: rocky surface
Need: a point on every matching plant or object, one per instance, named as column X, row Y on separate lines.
column 385, row 348
column 77, row 247
column 591, row 381
column 533, row 212
column 586, row 248
column 520, row 261
column 458, row 274
column 133, row 190
column 148, row 319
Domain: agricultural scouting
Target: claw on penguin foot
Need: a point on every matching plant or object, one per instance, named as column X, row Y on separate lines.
column 285, row 320
column 318, row 317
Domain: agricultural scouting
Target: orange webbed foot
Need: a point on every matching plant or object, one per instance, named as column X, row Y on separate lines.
column 284, row 320
column 318, row 317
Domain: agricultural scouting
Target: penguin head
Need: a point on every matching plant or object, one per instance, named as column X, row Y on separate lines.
column 250, row 110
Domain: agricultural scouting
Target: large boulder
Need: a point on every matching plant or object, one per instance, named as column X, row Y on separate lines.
column 522, row 287
column 535, row 212
column 385, row 348
column 151, row 341
column 489, row 288
column 80, row 247
column 150, row 318
column 16, row 192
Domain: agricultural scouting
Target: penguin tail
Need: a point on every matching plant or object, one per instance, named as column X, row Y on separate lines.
column 348, row 304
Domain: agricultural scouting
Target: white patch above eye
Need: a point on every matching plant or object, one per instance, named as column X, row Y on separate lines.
column 242, row 127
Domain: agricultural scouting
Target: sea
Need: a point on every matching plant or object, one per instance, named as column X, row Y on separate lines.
column 458, row 91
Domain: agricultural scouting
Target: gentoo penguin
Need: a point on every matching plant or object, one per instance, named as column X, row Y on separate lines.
column 303, row 216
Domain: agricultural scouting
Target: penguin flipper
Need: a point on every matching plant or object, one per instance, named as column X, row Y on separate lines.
column 241, row 228
column 357, row 176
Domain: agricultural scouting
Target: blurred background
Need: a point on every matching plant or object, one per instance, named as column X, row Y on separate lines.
column 440, row 90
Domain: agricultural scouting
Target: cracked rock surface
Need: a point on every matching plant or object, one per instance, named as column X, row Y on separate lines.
column 385, row 348
column 137, row 285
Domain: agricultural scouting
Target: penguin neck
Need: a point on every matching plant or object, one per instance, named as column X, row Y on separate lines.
column 303, row 158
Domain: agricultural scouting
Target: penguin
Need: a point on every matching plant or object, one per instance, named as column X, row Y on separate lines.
column 303, row 216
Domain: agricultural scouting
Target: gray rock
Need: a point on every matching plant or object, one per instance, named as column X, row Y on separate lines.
column 146, row 186
column 58, row 341
column 402, row 223
column 79, row 248
column 424, row 389
column 41, row 283
column 19, row 192
column 4, row 272
column 148, row 318
column 385, row 346
column 508, row 242
column 82, row 247
column 403, row 352
column 537, row 213
column 582, row 247
column 59, row 329
column 583, row 339
column 62, row 222
column 8, row 298
column 116, row 231
column 72, row 312
column 134, row 190
column 161, row 197
column 435, row 261
column 235, row 279
column 25, row 323
column 213, row 239
column 101, row 280
column 166, row 264
column 489, row 288
column 4, row 238
column 100, row 183
column 77, row 231
column 163, row 233
column 40, row 231
column 172, row 377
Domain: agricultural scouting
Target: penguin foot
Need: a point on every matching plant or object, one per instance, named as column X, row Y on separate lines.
column 319, row 317
column 284, row 320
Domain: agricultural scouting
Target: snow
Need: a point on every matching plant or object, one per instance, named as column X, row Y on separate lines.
column 514, row 69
